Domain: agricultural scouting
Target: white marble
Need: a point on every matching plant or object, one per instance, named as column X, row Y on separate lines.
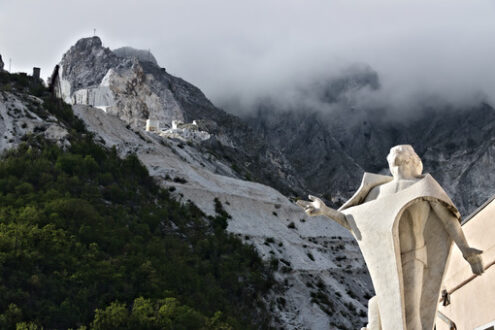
column 152, row 125
column 405, row 225
column 128, row 93
column 176, row 123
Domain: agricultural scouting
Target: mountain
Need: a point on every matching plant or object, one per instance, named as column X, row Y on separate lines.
column 135, row 90
column 237, row 173
column 321, row 276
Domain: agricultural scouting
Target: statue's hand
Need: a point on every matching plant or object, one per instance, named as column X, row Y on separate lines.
column 473, row 256
column 314, row 208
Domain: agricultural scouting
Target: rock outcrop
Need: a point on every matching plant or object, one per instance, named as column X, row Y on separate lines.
column 22, row 115
column 1, row 63
column 94, row 75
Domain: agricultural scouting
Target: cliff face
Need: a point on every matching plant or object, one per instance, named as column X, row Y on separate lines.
column 129, row 85
column 94, row 75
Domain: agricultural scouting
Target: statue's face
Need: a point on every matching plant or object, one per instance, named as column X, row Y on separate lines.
column 401, row 164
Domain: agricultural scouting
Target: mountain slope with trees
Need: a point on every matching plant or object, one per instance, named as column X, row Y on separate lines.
column 88, row 239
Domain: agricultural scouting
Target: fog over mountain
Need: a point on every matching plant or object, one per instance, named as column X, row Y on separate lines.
column 239, row 53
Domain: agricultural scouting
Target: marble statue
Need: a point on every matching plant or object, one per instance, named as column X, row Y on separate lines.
column 405, row 226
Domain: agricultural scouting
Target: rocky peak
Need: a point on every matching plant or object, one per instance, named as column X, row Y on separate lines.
column 86, row 63
column 1, row 63
column 89, row 42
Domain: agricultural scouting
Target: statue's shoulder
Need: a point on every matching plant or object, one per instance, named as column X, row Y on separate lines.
column 434, row 193
column 373, row 179
column 369, row 181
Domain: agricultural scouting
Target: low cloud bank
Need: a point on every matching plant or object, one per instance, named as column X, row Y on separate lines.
column 423, row 52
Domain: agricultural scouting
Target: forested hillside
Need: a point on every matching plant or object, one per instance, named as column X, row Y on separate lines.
column 89, row 240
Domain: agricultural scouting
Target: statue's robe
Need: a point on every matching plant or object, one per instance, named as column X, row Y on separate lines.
column 375, row 225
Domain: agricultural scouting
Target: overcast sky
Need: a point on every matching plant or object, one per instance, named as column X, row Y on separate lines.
column 251, row 48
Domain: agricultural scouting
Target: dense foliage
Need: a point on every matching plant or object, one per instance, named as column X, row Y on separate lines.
column 88, row 239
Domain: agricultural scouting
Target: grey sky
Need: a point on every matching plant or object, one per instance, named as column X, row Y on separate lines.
column 253, row 48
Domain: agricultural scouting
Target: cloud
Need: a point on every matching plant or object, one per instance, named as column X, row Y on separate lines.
column 428, row 50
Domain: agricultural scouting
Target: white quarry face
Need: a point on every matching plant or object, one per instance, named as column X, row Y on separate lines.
column 124, row 89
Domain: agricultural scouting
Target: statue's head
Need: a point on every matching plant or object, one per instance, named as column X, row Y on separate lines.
column 403, row 162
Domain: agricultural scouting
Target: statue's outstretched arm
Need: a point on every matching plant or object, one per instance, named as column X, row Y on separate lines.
column 317, row 207
column 454, row 229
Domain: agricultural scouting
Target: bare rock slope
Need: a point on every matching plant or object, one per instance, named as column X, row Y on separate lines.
column 21, row 115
